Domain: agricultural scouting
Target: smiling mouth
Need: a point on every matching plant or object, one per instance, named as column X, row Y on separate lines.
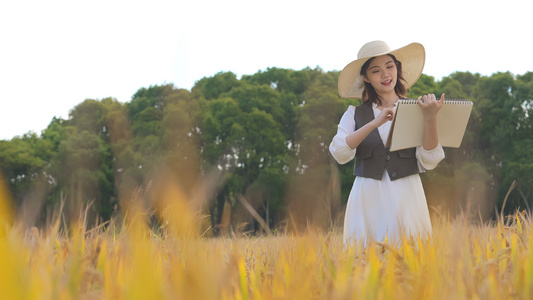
column 387, row 83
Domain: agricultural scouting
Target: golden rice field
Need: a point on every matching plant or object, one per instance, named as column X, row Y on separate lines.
column 130, row 260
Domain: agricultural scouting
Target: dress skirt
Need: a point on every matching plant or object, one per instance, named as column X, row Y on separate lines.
column 385, row 210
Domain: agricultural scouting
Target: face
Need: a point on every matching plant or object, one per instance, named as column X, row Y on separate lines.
column 382, row 74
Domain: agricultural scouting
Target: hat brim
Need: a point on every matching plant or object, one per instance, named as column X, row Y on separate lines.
column 412, row 57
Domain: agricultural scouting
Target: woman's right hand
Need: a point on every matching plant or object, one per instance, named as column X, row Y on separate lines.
column 355, row 138
column 385, row 115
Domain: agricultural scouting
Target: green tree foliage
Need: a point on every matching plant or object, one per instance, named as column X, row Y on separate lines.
column 311, row 184
column 263, row 137
column 164, row 130
column 212, row 88
column 425, row 84
column 86, row 174
column 243, row 135
column 23, row 160
column 517, row 163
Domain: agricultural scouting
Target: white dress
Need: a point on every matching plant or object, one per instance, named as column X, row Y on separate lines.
column 382, row 210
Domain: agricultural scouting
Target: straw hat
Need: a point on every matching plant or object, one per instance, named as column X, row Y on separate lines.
column 412, row 57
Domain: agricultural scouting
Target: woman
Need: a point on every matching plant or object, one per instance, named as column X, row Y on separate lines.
column 387, row 198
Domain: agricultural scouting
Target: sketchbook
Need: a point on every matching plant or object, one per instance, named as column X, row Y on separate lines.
column 407, row 128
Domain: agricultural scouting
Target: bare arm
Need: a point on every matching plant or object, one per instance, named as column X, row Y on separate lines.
column 430, row 108
column 355, row 138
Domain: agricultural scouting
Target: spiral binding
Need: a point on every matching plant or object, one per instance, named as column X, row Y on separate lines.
column 446, row 101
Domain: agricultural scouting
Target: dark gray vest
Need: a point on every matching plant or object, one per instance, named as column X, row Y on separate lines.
column 372, row 158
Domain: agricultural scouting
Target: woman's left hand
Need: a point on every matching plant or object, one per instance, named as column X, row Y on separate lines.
column 430, row 106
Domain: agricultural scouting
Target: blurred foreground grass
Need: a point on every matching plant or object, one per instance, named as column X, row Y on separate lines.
column 459, row 262
column 130, row 260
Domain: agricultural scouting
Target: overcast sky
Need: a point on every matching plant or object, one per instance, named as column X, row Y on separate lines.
column 55, row 54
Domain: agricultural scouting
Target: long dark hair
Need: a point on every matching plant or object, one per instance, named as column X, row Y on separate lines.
column 370, row 94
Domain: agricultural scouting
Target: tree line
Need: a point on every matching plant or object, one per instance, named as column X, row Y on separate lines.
column 261, row 140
